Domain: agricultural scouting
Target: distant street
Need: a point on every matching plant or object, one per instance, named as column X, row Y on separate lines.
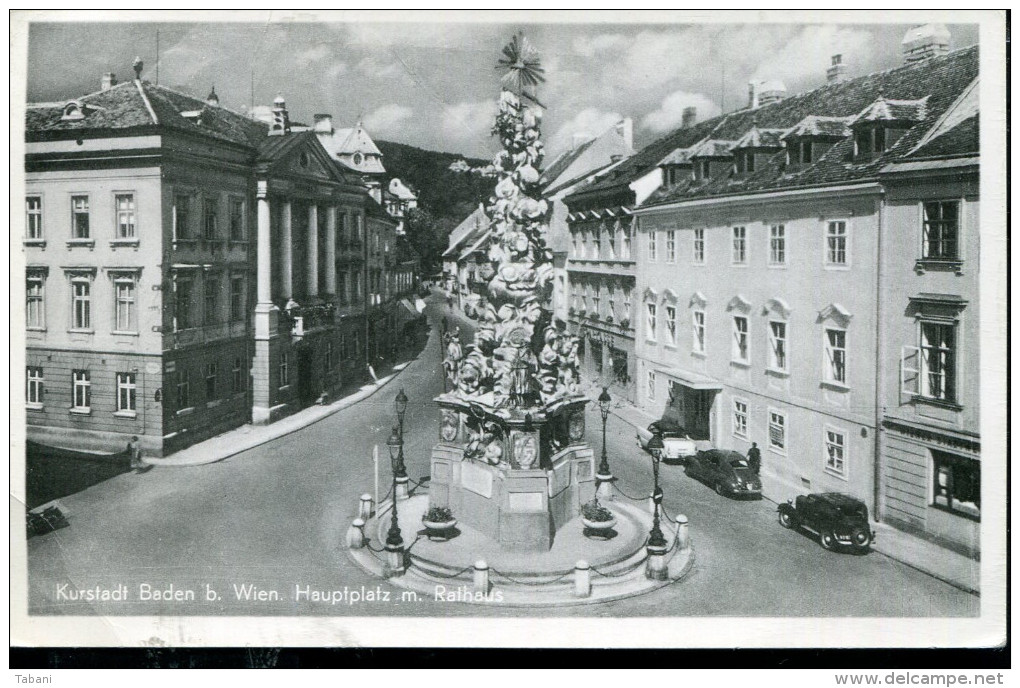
column 273, row 519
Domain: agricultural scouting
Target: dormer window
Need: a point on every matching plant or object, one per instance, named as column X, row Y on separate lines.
column 73, row 111
column 745, row 162
column 704, row 169
column 803, row 151
column 871, row 140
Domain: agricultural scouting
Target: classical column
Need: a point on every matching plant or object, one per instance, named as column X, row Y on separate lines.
column 264, row 248
column 313, row 252
column 287, row 249
column 331, row 288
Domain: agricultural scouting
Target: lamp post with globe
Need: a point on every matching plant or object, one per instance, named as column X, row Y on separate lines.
column 394, row 540
column 604, row 476
column 399, row 469
column 657, row 565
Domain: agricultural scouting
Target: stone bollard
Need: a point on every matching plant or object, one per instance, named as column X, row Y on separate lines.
column 606, row 491
column 356, row 534
column 365, row 507
column 683, row 533
column 657, row 567
column 481, row 577
column 582, row 579
column 401, row 492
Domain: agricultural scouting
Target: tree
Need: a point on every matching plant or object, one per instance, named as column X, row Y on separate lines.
column 425, row 236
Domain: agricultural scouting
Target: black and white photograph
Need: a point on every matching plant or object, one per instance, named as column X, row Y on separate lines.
column 535, row 329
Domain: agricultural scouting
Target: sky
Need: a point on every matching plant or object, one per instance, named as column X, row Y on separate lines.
column 434, row 85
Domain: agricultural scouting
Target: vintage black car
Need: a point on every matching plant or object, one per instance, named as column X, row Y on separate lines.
column 838, row 519
column 727, row 472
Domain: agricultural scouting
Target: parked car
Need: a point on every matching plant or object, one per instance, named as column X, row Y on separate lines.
column 678, row 444
column 838, row 519
column 727, row 472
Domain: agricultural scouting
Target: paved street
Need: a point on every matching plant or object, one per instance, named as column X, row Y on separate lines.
column 273, row 517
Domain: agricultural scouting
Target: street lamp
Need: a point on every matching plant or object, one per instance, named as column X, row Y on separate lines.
column 604, row 402
column 394, row 541
column 399, row 470
column 656, row 540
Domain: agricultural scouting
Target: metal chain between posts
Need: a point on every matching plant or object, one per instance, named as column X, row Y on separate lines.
column 454, row 575
column 633, row 499
column 611, row 575
column 663, row 510
column 417, row 484
column 534, row 583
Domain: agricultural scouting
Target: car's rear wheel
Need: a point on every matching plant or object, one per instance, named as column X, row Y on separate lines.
column 828, row 540
column 861, row 538
column 786, row 519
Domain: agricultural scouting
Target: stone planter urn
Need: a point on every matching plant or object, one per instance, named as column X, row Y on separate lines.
column 439, row 530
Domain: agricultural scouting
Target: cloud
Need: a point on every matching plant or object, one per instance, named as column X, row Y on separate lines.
column 313, row 54
column 669, row 114
column 592, row 121
column 376, row 67
column 588, row 46
column 469, row 122
column 386, row 118
column 807, row 53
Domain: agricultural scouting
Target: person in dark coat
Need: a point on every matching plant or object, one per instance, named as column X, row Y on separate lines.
column 754, row 457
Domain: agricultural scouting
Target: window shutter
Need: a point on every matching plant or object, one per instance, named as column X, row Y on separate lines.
column 910, row 371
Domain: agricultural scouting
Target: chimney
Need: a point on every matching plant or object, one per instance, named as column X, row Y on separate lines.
column 625, row 128
column 281, row 120
column 579, row 139
column 752, row 94
column 690, row 116
column 109, row 81
column 923, row 42
column 323, row 124
column 771, row 92
column 213, row 99
column 836, row 71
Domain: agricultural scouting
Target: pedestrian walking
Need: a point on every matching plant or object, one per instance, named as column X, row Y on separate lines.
column 754, row 457
column 135, row 454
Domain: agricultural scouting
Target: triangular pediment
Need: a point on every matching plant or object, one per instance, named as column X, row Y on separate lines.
column 302, row 157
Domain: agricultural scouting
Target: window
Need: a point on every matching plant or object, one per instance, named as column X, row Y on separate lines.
column 183, row 391
column 124, row 307
column 34, row 386
column 698, row 321
column 740, row 351
column 81, row 304
column 211, row 370
column 941, row 230
column 35, row 305
column 284, row 369
column 212, row 291
column 803, row 152
column 237, row 376
column 611, row 235
column 652, row 245
column 777, row 431
column 777, row 245
column 125, row 207
column 210, row 212
column 81, row 391
column 596, row 242
column 327, row 357
column 671, row 325
column 344, row 353
column 33, row 217
column 626, row 242
column 358, row 227
column 957, row 485
column 237, row 230
column 126, row 393
column 699, row 247
column 620, row 369
column 626, row 303
column 650, row 382
column 182, row 304
column 777, row 345
column 835, row 241
column 596, row 357
column 745, row 162
column 835, row 451
column 575, row 250
column 938, row 361
column 596, row 298
column 706, row 169
column 650, row 321
column 584, row 298
column 182, row 218
column 671, row 246
column 739, row 245
column 870, row 141
column 611, row 298
column 237, row 298
column 740, row 418
column 80, row 217
column 835, row 356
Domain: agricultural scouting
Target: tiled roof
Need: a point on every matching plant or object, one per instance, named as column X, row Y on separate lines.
column 564, row 160
column 133, row 104
column 813, row 125
column 681, row 156
column 713, row 148
column 962, row 139
column 272, row 148
column 883, row 110
column 940, row 79
column 761, row 138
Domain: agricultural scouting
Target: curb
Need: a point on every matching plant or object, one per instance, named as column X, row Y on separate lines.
column 337, row 406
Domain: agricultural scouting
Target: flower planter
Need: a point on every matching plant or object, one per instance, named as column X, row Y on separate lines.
column 597, row 529
column 439, row 530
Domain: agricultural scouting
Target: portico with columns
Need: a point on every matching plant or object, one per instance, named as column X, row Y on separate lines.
column 305, row 320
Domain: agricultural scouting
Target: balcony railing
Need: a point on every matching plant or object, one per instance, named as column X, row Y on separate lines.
column 208, row 333
column 304, row 319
